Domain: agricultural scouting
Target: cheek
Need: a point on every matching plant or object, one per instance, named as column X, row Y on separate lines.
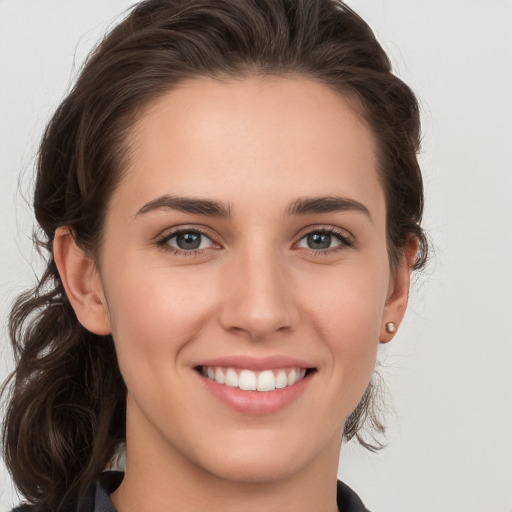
column 154, row 313
column 349, row 300
column 347, row 311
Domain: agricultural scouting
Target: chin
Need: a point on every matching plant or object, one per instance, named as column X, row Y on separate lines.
column 255, row 469
column 260, row 459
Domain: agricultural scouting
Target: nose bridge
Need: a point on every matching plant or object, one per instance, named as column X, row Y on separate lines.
column 259, row 300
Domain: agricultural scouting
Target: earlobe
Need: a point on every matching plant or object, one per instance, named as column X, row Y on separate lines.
column 81, row 282
column 396, row 303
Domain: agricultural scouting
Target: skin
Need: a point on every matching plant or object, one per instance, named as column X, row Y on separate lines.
column 255, row 287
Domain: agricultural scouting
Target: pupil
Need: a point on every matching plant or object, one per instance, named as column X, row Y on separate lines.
column 188, row 240
column 319, row 240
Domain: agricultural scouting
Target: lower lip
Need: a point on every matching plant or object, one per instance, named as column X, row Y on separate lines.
column 257, row 402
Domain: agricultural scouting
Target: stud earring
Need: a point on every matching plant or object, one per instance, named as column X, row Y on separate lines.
column 391, row 327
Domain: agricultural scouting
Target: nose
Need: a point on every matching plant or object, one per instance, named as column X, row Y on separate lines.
column 259, row 300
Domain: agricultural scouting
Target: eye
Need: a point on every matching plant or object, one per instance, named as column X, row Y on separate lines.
column 323, row 240
column 186, row 241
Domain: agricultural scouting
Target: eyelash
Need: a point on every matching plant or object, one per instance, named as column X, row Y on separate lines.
column 345, row 241
column 163, row 242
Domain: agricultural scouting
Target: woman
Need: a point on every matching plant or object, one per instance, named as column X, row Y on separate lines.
column 231, row 204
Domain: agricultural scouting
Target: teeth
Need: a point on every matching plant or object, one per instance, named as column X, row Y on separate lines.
column 231, row 378
column 219, row 376
column 247, row 380
column 282, row 380
column 266, row 381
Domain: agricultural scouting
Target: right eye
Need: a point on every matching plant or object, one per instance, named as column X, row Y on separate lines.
column 186, row 241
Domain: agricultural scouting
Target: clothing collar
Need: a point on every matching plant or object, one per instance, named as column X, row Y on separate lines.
column 109, row 481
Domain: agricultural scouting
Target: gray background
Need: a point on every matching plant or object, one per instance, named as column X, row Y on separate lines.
column 449, row 368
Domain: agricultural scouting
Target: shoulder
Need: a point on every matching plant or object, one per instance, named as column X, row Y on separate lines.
column 24, row 508
column 348, row 500
column 96, row 499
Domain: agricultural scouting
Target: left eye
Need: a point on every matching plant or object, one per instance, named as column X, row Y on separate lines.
column 321, row 240
column 188, row 241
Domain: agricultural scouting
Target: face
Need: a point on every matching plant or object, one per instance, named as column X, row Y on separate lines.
column 244, row 248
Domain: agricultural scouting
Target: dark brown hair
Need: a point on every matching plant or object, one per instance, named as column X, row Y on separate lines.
column 66, row 414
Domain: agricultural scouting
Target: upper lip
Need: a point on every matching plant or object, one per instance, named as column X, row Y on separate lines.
column 256, row 363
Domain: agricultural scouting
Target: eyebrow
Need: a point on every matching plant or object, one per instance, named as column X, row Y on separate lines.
column 187, row 205
column 301, row 206
column 326, row 204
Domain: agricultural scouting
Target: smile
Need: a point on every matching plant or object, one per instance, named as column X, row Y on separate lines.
column 248, row 380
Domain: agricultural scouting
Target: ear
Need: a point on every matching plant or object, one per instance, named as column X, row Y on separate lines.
column 398, row 294
column 81, row 281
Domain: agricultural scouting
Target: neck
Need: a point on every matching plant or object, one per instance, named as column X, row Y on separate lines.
column 159, row 478
column 143, row 492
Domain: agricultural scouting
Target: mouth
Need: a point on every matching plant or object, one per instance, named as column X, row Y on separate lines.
column 248, row 380
column 256, row 385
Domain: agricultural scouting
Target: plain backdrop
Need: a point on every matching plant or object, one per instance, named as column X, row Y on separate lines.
column 449, row 370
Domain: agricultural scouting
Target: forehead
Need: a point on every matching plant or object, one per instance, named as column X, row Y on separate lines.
column 243, row 140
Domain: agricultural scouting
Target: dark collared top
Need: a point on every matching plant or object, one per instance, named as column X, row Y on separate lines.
column 98, row 499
